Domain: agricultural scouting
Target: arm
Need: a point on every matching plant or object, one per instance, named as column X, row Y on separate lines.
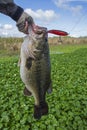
column 8, row 7
column 23, row 20
column 6, row 1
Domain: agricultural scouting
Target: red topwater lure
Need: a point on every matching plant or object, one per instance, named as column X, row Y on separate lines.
column 58, row 32
column 53, row 31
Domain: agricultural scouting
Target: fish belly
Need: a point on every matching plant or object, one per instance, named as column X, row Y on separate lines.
column 37, row 79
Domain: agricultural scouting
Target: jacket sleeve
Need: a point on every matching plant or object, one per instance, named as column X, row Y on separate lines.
column 8, row 7
column 6, row 1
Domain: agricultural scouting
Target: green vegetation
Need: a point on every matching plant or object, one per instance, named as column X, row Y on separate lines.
column 67, row 103
column 67, row 48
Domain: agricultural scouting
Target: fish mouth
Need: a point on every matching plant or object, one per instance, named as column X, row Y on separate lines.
column 38, row 29
column 35, row 29
column 38, row 36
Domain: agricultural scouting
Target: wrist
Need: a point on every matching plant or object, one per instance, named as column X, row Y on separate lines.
column 17, row 14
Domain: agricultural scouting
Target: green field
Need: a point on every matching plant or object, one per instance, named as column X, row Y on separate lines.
column 67, row 103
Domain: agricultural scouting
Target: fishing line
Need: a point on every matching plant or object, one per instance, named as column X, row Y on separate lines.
column 78, row 21
column 81, row 30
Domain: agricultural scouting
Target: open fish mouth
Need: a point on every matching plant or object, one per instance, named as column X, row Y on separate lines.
column 39, row 30
column 34, row 29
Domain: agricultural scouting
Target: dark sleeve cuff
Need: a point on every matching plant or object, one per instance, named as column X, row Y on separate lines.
column 17, row 14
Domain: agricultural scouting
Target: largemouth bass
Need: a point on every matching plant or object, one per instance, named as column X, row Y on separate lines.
column 35, row 68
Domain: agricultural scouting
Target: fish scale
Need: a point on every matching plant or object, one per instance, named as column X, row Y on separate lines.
column 35, row 70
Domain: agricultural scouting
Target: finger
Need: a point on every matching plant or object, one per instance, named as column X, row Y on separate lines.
column 26, row 27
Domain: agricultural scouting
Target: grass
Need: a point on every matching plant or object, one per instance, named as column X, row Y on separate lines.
column 67, row 103
column 59, row 49
column 67, row 48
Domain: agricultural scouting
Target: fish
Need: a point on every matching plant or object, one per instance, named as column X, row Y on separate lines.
column 35, row 69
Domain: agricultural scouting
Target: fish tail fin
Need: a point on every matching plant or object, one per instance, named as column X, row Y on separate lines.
column 40, row 110
column 37, row 112
column 44, row 108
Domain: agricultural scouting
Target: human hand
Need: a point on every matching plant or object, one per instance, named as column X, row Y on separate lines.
column 24, row 21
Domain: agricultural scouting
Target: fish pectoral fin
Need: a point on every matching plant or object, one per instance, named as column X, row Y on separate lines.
column 31, row 54
column 29, row 63
column 36, row 50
